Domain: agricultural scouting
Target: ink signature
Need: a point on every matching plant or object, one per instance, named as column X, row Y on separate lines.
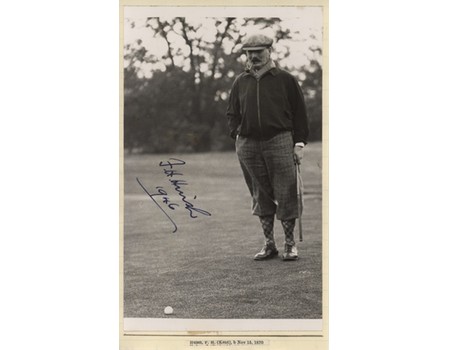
column 160, row 193
column 177, row 183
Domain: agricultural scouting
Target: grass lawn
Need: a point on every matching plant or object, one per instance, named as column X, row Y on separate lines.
column 206, row 269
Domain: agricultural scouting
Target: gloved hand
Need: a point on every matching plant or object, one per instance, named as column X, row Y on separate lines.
column 298, row 154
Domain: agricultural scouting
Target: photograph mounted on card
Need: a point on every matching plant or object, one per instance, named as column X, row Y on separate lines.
column 223, row 174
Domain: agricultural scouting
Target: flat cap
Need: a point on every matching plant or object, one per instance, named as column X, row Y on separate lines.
column 257, row 42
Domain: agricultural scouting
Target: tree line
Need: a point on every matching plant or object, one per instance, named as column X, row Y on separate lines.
column 176, row 101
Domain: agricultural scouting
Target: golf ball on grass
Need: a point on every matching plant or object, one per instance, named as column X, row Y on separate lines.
column 168, row 310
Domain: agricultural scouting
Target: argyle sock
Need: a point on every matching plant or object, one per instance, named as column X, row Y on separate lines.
column 267, row 226
column 288, row 227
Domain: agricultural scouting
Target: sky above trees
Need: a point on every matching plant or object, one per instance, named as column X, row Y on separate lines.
column 304, row 25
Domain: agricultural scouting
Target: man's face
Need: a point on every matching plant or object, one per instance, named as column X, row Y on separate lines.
column 258, row 57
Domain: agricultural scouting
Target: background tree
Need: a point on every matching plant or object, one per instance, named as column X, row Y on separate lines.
column 179, row 71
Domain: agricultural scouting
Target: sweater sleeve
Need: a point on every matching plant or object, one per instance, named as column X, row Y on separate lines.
column 233, row 110
column 300, row 119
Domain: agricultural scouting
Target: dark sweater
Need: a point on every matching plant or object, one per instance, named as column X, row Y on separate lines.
column 262, row 108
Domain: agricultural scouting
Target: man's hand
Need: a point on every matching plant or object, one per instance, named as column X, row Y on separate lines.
column 298, row 154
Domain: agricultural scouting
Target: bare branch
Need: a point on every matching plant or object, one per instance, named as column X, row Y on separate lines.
column 164, row 35
column 218, row 45
column 188, row 42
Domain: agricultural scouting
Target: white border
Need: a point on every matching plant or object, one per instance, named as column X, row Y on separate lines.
column 231, row 325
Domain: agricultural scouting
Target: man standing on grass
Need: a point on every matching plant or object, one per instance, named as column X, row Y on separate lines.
column 267, row 118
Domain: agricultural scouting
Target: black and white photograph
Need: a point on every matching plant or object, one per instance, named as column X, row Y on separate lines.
column 223, row 162
column 197, row 174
